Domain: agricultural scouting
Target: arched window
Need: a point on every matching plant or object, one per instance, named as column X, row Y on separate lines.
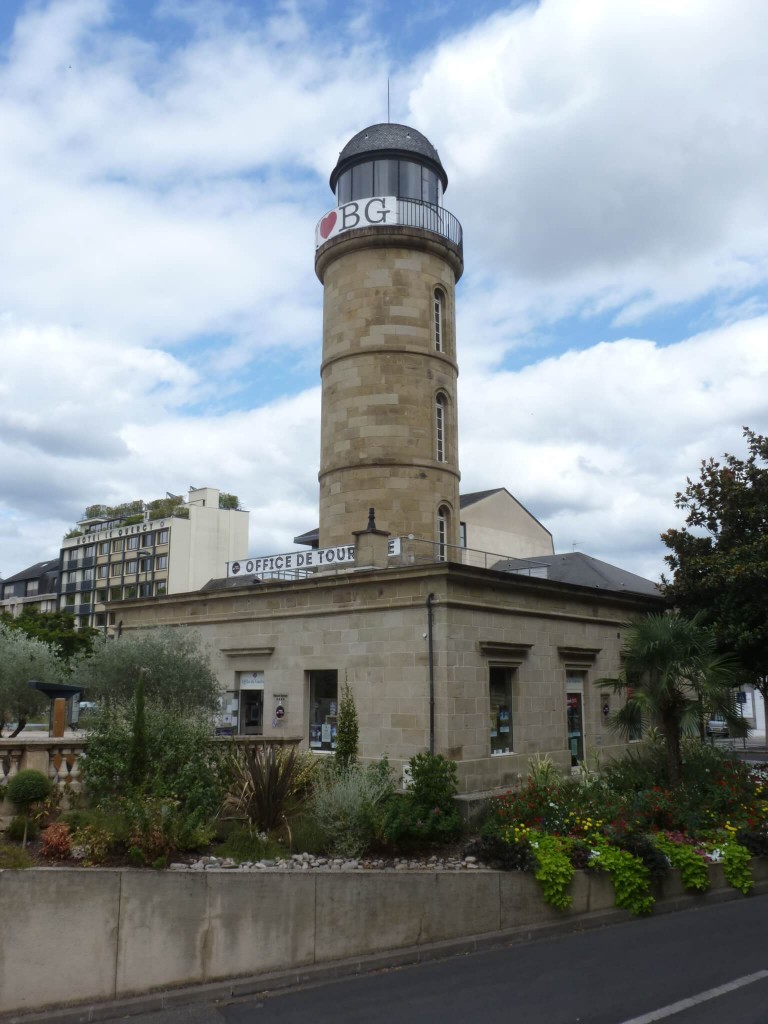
column 443, row 524
column 440, row 404
column 439, row 303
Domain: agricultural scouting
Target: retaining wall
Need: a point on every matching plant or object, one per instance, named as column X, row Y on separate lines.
column 74, row 935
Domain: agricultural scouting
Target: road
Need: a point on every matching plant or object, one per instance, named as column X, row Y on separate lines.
column 631, row 973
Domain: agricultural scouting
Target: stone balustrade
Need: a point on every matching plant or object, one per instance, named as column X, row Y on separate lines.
column 58, row 758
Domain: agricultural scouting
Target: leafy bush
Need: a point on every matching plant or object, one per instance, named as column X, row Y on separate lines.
column 28, row 787
column 629, row 876
column 736, row 867
column 345, row 806
column 183, row 762
column 14, row 858
column 554, row 870
column 427, row 812
column 245, row 843
column 689, row 862
column 22, row 826
column 93, row 844
column 265, row 781
column 57, row 841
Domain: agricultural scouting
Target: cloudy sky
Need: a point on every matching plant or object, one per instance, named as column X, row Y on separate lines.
column 163, row 164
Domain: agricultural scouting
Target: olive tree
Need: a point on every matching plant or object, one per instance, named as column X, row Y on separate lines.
column 22, row 659
column 174, row 664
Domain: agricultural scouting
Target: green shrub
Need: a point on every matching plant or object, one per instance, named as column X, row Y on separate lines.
column 246, row 843
column 28, row 787
column 306, row 835
column 347, row 732
column 13, row 858
column 345, row 806
column 183, row 762
column 21, row 828
column 426, row 812
column 96, row 843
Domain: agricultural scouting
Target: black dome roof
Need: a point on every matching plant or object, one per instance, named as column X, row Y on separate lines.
column 392, row 140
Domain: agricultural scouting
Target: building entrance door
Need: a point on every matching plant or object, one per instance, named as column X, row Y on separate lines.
column 252, row 712
column 575, row 720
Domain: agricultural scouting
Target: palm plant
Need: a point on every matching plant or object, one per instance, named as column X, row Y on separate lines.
column 267, row 780
column 673, row 677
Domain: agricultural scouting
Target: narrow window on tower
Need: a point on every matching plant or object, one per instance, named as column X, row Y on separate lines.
column 438, row 320
column 443, row 517
column 440, row 428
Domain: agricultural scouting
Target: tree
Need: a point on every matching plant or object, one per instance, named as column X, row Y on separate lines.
column 22, row 659
column 719, row 560
column 673, row 677
column 54, row 628
column 347, row 731
column 179, row 673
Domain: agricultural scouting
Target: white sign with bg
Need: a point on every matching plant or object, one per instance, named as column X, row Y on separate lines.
column 371, row 212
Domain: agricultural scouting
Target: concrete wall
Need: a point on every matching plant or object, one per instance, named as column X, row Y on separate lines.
column 73, row 935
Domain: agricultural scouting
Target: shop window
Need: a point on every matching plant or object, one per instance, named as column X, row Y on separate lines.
column 500, row 696
column 323, row 709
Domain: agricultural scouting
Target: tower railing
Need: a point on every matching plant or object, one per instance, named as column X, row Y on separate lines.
column 415, row 213
column 420, row 551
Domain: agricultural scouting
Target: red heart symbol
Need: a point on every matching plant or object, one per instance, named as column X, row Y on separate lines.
column 326, row 224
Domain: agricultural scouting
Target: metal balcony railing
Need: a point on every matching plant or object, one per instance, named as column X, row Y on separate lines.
column 417, row 214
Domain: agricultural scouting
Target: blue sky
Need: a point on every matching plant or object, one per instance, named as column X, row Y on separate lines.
column 162, row 170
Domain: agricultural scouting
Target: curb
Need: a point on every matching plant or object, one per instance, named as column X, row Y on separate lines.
column 234, row 989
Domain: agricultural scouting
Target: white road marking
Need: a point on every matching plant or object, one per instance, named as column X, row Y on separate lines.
column 702, row 997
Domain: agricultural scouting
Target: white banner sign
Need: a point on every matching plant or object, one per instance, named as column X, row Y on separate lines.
column 344, row 555
column 372, row 212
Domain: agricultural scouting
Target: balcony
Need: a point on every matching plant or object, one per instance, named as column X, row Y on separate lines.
column 414, row 213
column 69, row 588
column 88, row 562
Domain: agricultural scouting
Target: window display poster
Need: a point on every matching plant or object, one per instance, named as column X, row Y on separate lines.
column 326, row 733
column 316, row 735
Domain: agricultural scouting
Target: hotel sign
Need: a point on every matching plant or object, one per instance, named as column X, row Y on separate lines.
column 343, row 555
column 373, row 212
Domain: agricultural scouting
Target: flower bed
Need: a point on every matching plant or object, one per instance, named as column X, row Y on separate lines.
column 624, row 821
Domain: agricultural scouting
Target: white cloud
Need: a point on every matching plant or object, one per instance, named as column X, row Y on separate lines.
column 606, row 150
column 596, row 443
column 157, row 205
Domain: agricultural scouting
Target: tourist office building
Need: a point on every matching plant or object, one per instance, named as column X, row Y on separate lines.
column 454, row 623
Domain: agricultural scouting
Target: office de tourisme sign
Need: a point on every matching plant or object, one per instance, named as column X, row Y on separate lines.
column 343, row 555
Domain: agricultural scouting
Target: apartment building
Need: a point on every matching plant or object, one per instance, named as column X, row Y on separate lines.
column 142, row 550
column 35, row 587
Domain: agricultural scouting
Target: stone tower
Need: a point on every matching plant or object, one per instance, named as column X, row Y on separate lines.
column 389, row 256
